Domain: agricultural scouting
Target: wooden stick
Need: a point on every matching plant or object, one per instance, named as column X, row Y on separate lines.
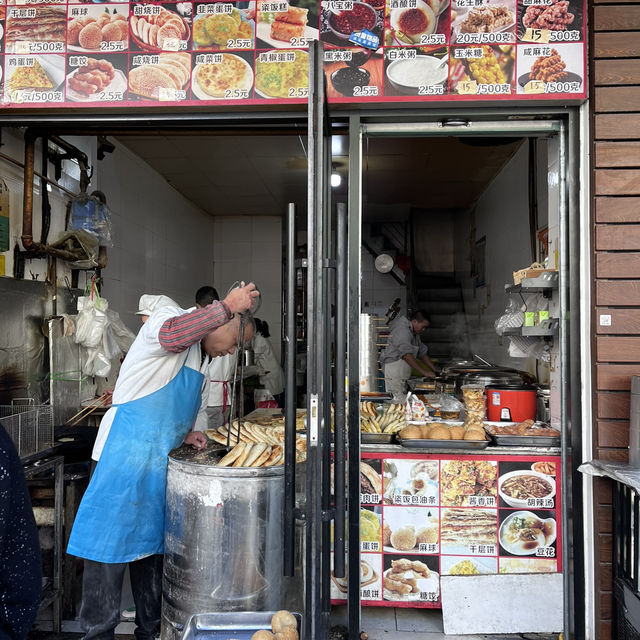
column 90, row 408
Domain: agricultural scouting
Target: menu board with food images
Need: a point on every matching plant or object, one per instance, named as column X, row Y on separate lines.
column 427, row 515
column 255, row 52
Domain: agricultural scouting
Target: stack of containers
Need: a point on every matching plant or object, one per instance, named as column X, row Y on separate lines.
column 475, row 405
column 368, row 353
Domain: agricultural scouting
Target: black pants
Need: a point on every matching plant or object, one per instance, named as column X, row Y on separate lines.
column 102, row 593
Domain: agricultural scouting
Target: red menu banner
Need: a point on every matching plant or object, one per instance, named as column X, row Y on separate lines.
column 423, row 516
column 254, row 52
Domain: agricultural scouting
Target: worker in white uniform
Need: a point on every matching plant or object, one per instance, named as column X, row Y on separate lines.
column 149, row 303
column 120, row 521
column 404, row 352
column 271, row 375
column 221, row 372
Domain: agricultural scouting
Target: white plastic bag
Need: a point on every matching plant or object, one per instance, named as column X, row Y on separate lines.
column 91, row 320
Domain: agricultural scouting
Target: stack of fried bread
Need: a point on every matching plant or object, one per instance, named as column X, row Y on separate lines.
column 289, row 25
column 251, row 434
column 403, row 576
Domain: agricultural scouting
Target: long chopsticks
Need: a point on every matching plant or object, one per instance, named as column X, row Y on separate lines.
column 89, row 409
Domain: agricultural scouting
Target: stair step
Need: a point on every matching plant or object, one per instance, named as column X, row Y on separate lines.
column 440, row 293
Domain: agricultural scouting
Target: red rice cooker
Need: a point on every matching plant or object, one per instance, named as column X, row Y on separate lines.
column 511, row 404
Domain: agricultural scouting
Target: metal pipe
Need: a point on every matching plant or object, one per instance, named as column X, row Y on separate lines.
column 290, row 397
column 27, row 196
column 354, row 241
column 53, row 183
column 519, row 128
column 339, row 359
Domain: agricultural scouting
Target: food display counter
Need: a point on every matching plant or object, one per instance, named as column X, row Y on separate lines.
column 427, row 513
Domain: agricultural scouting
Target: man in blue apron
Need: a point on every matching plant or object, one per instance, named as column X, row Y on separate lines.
column 157, row 397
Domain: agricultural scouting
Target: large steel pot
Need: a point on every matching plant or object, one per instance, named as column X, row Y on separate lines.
column 223, row 540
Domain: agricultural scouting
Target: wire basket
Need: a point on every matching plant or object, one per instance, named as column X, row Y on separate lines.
column 29, row 425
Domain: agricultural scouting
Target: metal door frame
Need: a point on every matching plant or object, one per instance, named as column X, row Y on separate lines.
column 566, row 124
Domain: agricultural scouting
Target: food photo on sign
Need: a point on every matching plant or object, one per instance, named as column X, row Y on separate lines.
column 3, row 15
column 468, row 483
column 469, row 531
column 282, row 24
column 528, row 533
column 559, row 21
column 550, row 68
column 426, row 23
column 411, row 482
column 98, row 78
column 468, row 566
column 35, row 29
column 410, row 529
column 159, row 77
column 370, row 578
column 482, row 70
column 420, row 71
column 97, row 28
column 155, row 28
column 353, row 73
column 223, row 25
column 525, row 485
column 411, row 578
column 34, row 79
column 222, row 76
column 341, row 19
column 282, row 74
column 492, row 22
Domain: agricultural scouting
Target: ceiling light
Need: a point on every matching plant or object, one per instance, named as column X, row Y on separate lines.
column 335, row 180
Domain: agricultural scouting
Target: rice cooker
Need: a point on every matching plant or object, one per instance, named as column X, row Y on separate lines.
column 511, row 404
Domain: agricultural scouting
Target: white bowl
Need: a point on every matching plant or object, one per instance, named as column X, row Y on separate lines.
column 516, row 502
column 425, row 72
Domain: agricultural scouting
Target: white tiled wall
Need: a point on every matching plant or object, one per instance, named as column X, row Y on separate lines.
column 379, row 290
column 250, row 249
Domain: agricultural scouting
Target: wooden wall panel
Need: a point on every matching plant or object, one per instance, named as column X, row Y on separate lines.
column 616, row 72
column 618, row 349
column 615, row 99
column 617, row 45
column 617, row 209
column 624, row 17
column 624, row 126
column 617, row 237
column 618, row 293
column 613, row 405
column 617, row 154
column 623, row 321
column 613, row 434
column 611, row 181
column 615, row 377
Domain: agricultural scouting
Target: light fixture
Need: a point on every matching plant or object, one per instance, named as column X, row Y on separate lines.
column 336, row 180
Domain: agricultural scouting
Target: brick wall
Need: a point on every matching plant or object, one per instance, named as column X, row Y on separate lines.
column 615, row 103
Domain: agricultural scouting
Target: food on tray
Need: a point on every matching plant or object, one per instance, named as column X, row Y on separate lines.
column 526, row 428
column 441, row 431
column 289, row 24
column 554, row 16
column 549, row 68
column 487, row 19
column 460, row 479
column 528, row 565
column 370, row 529
column 523, row 532
column 215, row 79
column 545, row 467
column 449, row 415
column 263, row 634
column 159, row 30
column 93, row 77
column 486, row 70
column 33, row 77
column 251, row 433
column 391, row 421
column 283, row 620
column 403, row 539
column 279, row 79
column 367, row 576
column 172, row 72
column 259, row 454
column 47, row 24
column 89, row 32
column 464, row 568
column 370, row 481
column 522, row 487
column 463, row 527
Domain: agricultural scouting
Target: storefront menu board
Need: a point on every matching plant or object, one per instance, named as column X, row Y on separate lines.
column 140, row 53
column 452, row 515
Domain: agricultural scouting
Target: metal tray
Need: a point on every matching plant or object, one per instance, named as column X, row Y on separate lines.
column 377, row 438
column 227, row 625
column 415, row 443
column 526, row 441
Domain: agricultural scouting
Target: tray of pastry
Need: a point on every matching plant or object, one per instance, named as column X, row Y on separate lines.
column 230, row 625
column 519, row 434
column 377, row 438
column 426, row 443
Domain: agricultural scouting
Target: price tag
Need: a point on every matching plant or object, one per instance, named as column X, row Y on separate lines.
column 22, row 46
column 536, row 35
column 534, row 86
column 298, row 92
column 365, row 92
column 113, row 45
column 299, row 42
column 236, row 94
column 240, row 43
column 467, row 87
column 110, row 96
column 564, row 36
column 433, row 39
column 166, row 94
column 172, row 44
column 494, row 89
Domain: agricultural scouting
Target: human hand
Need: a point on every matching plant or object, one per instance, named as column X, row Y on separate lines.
column 242, row 298
column 196, row 439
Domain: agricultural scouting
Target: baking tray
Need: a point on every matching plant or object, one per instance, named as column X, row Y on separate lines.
column 526, row 441
column 415, row 443
column 377, row 438
column 227, row 625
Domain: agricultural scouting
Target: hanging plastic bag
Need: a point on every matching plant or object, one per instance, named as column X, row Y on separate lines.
column 90, row 214
column 262, row 399
column 512, row 318
column 92, row 318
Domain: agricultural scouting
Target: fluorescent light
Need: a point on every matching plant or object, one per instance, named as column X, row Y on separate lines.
column 335, row 180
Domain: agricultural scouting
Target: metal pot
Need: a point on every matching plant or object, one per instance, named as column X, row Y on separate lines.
column 248, row 358
column 489, row 377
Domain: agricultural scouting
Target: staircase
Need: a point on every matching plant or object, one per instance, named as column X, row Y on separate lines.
column 441, row 297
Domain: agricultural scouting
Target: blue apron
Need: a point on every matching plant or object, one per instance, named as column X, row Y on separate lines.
column 121, row 516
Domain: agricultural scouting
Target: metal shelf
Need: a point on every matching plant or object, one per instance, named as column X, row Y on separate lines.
column 548, row 329
column 543, row 283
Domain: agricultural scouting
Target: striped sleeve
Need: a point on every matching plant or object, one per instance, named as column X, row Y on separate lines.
column 179, row 333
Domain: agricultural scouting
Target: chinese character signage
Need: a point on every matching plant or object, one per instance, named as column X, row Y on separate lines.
column 254, row 52
column 431, row 515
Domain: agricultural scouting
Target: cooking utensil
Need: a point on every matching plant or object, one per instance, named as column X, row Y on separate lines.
column 89, row 409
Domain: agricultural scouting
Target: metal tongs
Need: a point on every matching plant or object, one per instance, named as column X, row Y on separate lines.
column 238, row 371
